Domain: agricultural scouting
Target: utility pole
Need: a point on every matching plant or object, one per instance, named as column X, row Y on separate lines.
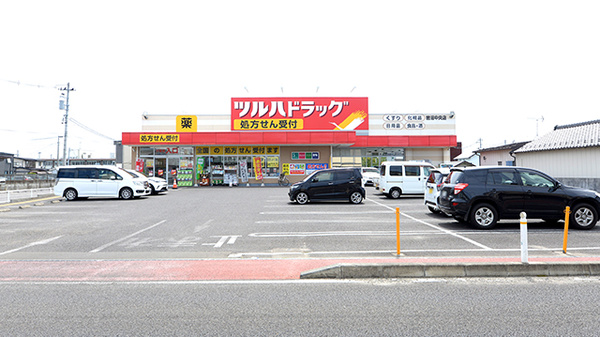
column 58, row 151
column 66, row 120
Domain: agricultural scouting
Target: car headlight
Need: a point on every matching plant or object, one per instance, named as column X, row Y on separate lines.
column 139, row 183
column 293, row 187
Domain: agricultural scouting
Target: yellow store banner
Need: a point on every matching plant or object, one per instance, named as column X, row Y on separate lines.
column 202, row 150
column 244, row 150
column 258, row 150
column 230, row 150
column 216, row 150
column 272, row 150
column 271, row 124
column 150, row 138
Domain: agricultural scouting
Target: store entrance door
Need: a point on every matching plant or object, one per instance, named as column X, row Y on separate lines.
column 166, row 167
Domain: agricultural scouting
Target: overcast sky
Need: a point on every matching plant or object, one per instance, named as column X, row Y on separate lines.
column 499, row 65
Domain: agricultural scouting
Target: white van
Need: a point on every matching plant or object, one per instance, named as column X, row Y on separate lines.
column 403, row 177
column 84, row 181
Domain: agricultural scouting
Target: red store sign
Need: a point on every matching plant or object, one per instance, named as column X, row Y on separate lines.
column 300, row 113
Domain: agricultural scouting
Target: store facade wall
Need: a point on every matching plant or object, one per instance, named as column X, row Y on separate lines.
column 300, row 161
column 262, row 138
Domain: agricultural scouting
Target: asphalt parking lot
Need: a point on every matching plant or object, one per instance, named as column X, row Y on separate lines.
column 261, row 223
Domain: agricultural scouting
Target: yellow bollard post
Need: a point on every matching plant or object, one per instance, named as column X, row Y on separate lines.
column 566, row 234
column 397, row 231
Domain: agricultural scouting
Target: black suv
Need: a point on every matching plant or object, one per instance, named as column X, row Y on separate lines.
column 483, row 195
column 337, row 183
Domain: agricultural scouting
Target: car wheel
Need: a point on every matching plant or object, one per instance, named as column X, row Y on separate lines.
column 302, row 198
column 584, row 216
column 152, row 190
column 126, row 193
column 70, row 194
column 356, row 198
column 395, row 193
column 484, row 216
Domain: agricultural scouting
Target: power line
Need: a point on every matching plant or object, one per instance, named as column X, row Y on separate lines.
column 19, row 83
column 89, row 129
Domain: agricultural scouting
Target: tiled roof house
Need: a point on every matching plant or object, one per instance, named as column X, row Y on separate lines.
column 570, row 153
column 570, row 136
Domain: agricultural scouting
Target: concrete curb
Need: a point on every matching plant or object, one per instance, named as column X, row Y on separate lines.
column 433, row 270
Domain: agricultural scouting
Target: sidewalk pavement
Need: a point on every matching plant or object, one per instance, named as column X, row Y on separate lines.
column 289, row 269
column 28, row 202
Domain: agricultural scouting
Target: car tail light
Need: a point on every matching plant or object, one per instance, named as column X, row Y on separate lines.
column 460, row 187
column 439, row 186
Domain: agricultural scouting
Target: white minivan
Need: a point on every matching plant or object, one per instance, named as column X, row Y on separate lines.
column 84, row 181
column 403, row 177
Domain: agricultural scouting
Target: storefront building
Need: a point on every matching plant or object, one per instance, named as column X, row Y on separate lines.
column 264, row 137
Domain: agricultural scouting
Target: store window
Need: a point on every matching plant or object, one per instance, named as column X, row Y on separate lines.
column 272, row 167
column 146, row 151
column 366, row 157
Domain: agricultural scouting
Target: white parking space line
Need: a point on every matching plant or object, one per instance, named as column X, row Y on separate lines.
column 323, row 212
column 393, row 252
column 125, row 238
column 355, row 220
column 435, row 227
column 340, row 233
column 37, row 243
column 202, row 227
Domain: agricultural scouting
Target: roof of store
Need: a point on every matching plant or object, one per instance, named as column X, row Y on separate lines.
column 571, row 136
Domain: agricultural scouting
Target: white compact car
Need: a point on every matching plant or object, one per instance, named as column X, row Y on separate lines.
column 433, row 187
column 84, row 181
column 370, row 175
column 157, row 184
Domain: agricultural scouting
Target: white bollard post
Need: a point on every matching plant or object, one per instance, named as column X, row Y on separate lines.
column 524, row 252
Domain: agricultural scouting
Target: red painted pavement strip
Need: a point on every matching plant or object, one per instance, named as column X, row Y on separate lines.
column 203, row 270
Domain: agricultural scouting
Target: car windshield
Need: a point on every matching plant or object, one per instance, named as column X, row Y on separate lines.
column 370, row 170
column 141, row 174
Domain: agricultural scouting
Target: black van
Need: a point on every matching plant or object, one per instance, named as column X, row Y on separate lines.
column 337, row 183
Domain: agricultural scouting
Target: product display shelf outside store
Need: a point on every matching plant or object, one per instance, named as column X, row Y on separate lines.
column 230, row 175
column 185, row 177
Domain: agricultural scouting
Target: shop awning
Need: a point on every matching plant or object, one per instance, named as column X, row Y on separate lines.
column 347, row 138
column 239, row 138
